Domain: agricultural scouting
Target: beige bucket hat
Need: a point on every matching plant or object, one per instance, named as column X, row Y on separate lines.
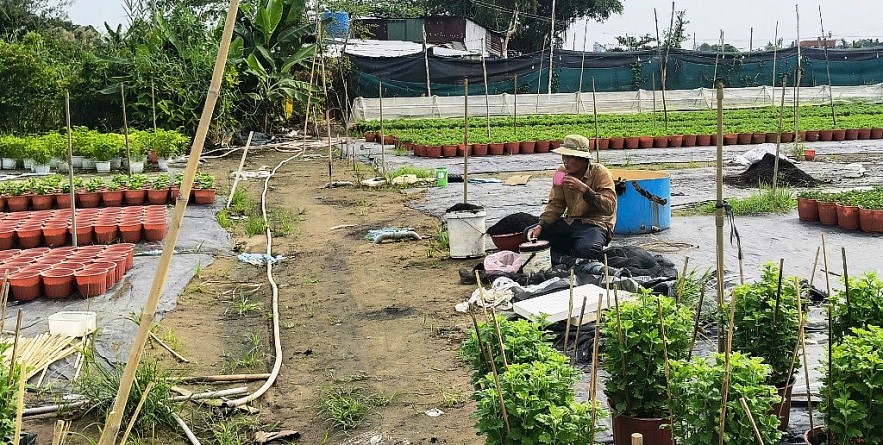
column 574, row 145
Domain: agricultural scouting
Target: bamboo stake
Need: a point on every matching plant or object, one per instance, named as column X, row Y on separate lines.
column 138, row 407
column 551, row 48
column 775, row 53
column 382, row 141
column 779, row 135
column 751, row 420
column 815, row 263
column 20, row 402
column 716, row 58
column 478, row 336
column 578, row 327
column 70, row 164
column 696, row 323
column 582, row 63
column 797, row 83
column 112, row 425
column 466, row 140
column 487, row 317
column 499, row 336
column 830, row 383
column 683, row 281
column 59, row 432
column 569, row 313
column 619, row 334
column 778, row 306
column 540, row 77
column 515, row 107
column 327, row 110
column 750, row 42
column 719, row 211
column 239, row 170
column 595, row 118
column 828, row 68
column 153, row 103
column 126, row 127
column 165, row 346
column 426, row 63
column 796, row 344
column 499, row 389
column 802, row 337
column 487, row 104
column 4, row 298
column 594, row 386
column 846, row 283
column 665, row 363
column 726, row 385
column 14, row 349
column 637, row 439
column 310, row 91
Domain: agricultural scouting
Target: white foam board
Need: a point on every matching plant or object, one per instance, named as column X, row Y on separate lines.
column 555, row 305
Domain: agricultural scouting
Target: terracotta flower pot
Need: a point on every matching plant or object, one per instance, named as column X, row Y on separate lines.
column 63, row 201
column 731, row 139
column 6, row 238
column 771, row 137
column 675, row 141
column 543, row 146
column 30, row 237
column 204, row 196
column 827, row 213
column 851, row 134
column 809, row 154
column 495, row 149
column 154, row 231
column 782, row 410
column 660, row 141
column 18, row 203
column 512, row 148
column 864, row 133
column 816, row 436
column 55, row 235
column 787, row 138
column 651, row 429
column 449, row 150
column 811, row 135
column 743, row 138
column 808, row 209
column 433, row 151
column 130, row 231
column 119, row 259
column 617, row 143
column 703, row 140
column 555, row 143
column 871, row 221
column 689, row 140
column 135, row 197
column 826, row 135
column 105, row 232
column 369, row 136
column 527, row 147
column 58, row 282
column 645, row 141
column 91, row 282
column 88, row 199
column 479, row 149
column 25, row 285
column 110, row 271
column 42, row 202
column 632, row 142
column 603, row 144
column 84, row 233
column 758, row 138
column 838, row 135
column 847, row 217
column 157, row 197
column 112, row 198
column 876, row 133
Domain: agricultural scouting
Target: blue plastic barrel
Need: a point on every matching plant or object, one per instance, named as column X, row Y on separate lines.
column 645, row 205
column 339, row 27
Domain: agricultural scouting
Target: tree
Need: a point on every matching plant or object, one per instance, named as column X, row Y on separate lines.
column 632, row 43
column 716, row 47
column 674, row 37
column 771, row 46
column 18, row 17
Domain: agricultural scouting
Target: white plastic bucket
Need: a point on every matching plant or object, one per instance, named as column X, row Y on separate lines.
column 466, row 233
column 536, row 256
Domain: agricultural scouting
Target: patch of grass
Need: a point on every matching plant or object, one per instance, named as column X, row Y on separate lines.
column 224, row 219
column 439, row 245
column 251, row 357
column 409, row 170
column 762, row 202
column 345, row 407
column 451, row 398
column 238, row 429
column 255, row 225
column 282, row 221
column 242, row 305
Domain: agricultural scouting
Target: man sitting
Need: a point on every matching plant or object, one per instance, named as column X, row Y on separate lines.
column 581, row 213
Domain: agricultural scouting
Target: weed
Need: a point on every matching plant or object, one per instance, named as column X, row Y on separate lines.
column 252, row 356
column 281, row 221
column 241, row 203
column 439, row 244
column 254, row 225
column 171, row 338
column 242, row 305
column 758, row 203
column 236, row 430
column 408, row 170
column 345, row 407
column 197, row 272
column 451, row 398
column 224, row 219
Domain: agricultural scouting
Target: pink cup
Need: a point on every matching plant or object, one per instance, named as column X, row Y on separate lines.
column 558, row 178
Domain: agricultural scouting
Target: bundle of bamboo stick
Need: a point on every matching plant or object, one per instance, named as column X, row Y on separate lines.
column 39, row 352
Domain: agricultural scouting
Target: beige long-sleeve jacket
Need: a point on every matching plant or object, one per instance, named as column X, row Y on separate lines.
column 597, row 206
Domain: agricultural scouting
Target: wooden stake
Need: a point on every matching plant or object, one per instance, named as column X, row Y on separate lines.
column 540, row 78
column 696, row 323
column 426, row 63
column 224, row 378
column 802, row 337
column 750, row 42
column 126, row 127
column 14, row 356
column 665, row 353
column 4, row 299
column 828, row 68
column 779, row 135
column 466, row 141
column 499, row 336
column 796, row 344
column 815, row 263
column 846, row 283
column 778, row 307
column 719, row 210
column 59, row 432
column 578, row 327
column 797, row 83
column 112, row 425
column 720, row 51
column 569, row 313
column 138, row 407
column 168, row 348
column 153, row 103
column 637, row 439
column 310, row 91
column 239, row 170
column 20, row 401
column 595, row 114
column 499, row 389
column 751, row 420
column 726, row 385
column 683, row 281
column 582, row 63
column 515, row 107
column 594, row 386
column 70, row 164
column 551, row 48
column 618, row 322
column 478, row 336
column 775, row 54
column 487, row 104
column 327, row 110
column 382, row 142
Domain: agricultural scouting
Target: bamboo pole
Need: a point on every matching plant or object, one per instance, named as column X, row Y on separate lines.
column 593, row 396
column 382, row 141
column 750, row 420
column 14, row 356
column 327, row 111
column 846, row 284
column 719, row 211
column 750, row 42
column 466, row 142
column 426, row 63
column 717, row 56
column 665, row 64
column 168, row 348
column 830, row 383
column 187, row 431
column 569, row 313
column 637, row 439
column 802, row 337
column 20, row 401
column 59, row 432
column 515, row 107
column 595, row 118
column 619, row 334
column 540, row 78
column 696, row 323
column 126, row 127
column 112, row 425
column 499, row 334
column 153, row 103
column 551, row 48
column 487, row 104
column 137, row 411
column 683, row 281
column 4, row 299
column 310, row 90
column 778, row 307
column 828, row 68
column 793, row 362
column 779, row 135
column 499, row 389
column 579, row 326
column 239, row 170
column 797, row 84
column 70, row 165
column 665, row 360
column 726, row 385
column 224, row 378
column 478, row 336
column 582, row 63
column 773, row 80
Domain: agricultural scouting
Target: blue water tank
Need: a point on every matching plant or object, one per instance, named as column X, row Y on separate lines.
column 339, row 27
column 645, row 205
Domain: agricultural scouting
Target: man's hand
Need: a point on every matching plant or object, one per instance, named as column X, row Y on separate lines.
column 575, row 184
column 534, row 233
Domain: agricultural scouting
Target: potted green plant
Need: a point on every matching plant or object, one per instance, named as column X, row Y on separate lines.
column 852, row 385
column 864, row 307
column 158, row 193
column 112, row 195
column 204, row 188
column 82, row 139
column 17, row 199
column 765, row 325
column 141, row 144
column 808, row 205
column 11, row 148
column 44, row 194
column 38, row 155
column 524, row 341
column 104, row 148
column 169, row 145
column 135, row 193
column 634, row 357
column 696, row 400
column 90, row 196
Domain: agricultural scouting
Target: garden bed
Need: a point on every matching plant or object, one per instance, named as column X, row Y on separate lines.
column 52, row 228
column 60, row 273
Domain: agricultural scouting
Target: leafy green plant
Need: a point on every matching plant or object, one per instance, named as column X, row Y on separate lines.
column 204, row 180
column 107, row 146
column 12, row 147
column 8, row 396
column 524, row 341
column 853, row 386
column 634, row 358
column 52, row 145
column 161, row 182
column 865, row 304
column 137, row 181
column 758, row 203
column 697, row 396
column 345, row 407
column 761, row 327
column 93, row 185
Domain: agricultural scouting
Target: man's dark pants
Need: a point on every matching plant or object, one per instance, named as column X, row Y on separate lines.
column 576, row 239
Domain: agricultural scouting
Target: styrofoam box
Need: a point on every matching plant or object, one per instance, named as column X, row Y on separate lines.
column 555, row 305
column 72, row 323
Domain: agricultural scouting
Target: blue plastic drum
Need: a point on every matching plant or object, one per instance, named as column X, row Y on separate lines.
column 645, row 204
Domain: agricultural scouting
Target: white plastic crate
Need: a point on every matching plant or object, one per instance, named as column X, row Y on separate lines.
column 73, row 323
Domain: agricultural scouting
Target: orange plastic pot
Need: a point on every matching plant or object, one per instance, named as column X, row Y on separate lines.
column 827, row 213
column 743, row 138
column 810, row 135
column 703, row 140
column 675, row 141
column 18, row 203
column 512, row 148
column 651, row 429
column 89, row 199
column 645, row 141
column 871, row 221
column 29, row 238
column 864, row 133
column 877, row 133
column 130, row 232
column 135, row 197
column 851, row 134
column 689, row 140
column 496, row 149
column 808, row 209
column 527, row 147
column 42, row 202
column 154, row 231
column 58, row 282
column 24, row 285
column 204, row 196
column 55, row 235
column 847, row 217
column 838, row 135
column 155, row 197
column 615, row 143
column 479, row 149
column 632, row 142
column 84, row 233
column 105, row 232
column 758, row 138
column 112, row 198
column 91, row 282
column 543, row 146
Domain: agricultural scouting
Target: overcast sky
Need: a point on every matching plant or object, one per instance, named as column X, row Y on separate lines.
column 849, row 19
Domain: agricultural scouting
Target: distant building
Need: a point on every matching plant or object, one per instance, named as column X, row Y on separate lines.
column 819, row 43
column 456, row 33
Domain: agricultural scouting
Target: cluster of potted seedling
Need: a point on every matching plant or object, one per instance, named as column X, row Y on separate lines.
column 656, row 387
column 532, row 134
column 91, row 150
column 60, row 273
column 851, row 210
column 133, row 190
column 53, row 228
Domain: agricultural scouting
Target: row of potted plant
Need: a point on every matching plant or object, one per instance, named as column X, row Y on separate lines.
column 53, row 228
column 92, row 150
column 54, row 191
column 60, row 273
column 850, row 210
